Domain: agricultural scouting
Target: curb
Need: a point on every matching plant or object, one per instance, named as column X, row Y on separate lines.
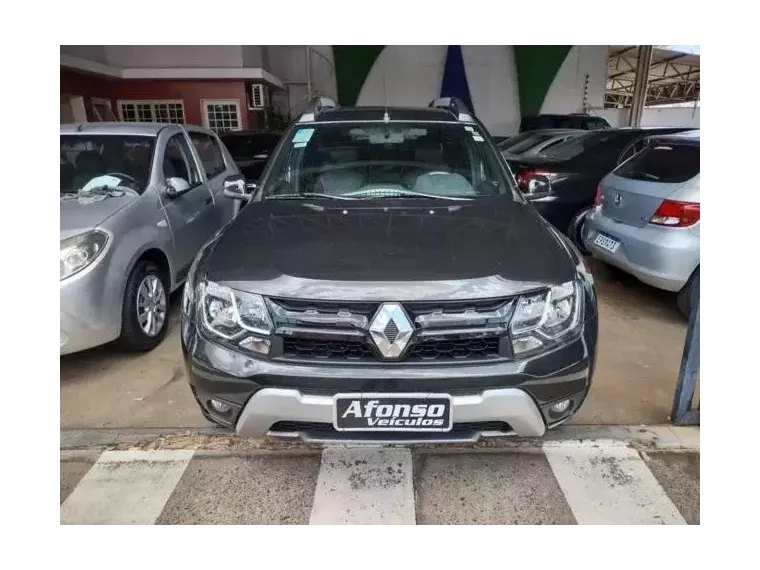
column 658, row 437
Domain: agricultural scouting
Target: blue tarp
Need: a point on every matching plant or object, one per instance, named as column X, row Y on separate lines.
column 454, row 82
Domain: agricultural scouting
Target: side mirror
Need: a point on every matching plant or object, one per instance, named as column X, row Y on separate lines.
column 235, row 188
column 176, row 186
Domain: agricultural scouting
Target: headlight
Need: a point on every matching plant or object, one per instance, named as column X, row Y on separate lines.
column 188, row 293
column 234, row 318
column 545, row 319
column 78, row 252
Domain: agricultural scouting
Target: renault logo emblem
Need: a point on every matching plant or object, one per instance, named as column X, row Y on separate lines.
column 618, row 199
column 391, row 330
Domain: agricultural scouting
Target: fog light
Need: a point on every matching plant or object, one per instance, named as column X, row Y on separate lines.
column 560, row 407
column 221, row 407
column 255, row 344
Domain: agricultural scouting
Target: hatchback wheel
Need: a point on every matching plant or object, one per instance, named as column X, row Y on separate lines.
column 687, row 296
column 144, row 318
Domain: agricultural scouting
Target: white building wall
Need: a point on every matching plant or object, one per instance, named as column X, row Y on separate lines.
column 411, row 75
column 654, row 116
column 566, row 92
column 409, row 72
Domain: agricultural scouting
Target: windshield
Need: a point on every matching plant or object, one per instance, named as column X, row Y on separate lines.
column 386, row 160
column 248, row 147
column 576, row 145
column 527, row 141
column 663, row 162
column 105, row 160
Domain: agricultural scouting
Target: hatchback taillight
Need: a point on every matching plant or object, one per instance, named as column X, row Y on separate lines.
column 599, row 198
column 676, row 214
column 531, row 181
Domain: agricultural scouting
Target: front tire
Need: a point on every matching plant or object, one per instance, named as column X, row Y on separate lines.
column 144, row 315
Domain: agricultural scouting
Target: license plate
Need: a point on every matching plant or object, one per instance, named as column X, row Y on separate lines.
column 606, row 242
column 392, row 412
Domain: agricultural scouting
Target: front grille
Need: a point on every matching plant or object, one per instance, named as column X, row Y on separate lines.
column 338, row 331
column 310, row 349
column 425, row 351
column 462, row 349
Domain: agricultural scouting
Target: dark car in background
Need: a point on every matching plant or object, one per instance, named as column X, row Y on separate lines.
column 535, row 142
column 561, row 182
column 251, row 150
column 571, row 121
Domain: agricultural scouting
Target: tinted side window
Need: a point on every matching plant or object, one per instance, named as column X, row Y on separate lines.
column 209, row 153
column 243, row 147
column 178, row 161
column 659, row 162
column 596, row 123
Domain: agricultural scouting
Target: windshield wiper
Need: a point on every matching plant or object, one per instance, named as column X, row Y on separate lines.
column 306, row 196
column 398, row 193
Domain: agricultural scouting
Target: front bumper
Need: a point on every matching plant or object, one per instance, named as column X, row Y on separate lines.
column 294, row 400
column 90, row 309
column 658, row 256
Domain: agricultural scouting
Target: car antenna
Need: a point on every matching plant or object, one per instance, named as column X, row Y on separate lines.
column 386, row 118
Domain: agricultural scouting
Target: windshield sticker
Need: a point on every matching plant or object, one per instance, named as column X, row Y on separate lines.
column 299, row 145
column 466, row 128
column 303, row 136
column 477, row 137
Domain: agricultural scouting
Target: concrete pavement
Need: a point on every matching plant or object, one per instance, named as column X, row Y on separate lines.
column 555, row 481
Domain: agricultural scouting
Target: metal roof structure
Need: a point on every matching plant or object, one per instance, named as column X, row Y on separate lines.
column 673, row 77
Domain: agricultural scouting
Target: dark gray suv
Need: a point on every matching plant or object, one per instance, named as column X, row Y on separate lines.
column 388, row 282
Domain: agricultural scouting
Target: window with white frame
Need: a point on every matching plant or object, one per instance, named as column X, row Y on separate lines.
column 101, row 110
column 221, row 116
column 152, row 111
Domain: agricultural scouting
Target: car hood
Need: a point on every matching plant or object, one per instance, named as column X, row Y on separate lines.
column 77, row 217
column 389, row 250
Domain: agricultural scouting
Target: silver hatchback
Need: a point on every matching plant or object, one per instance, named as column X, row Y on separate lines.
column 646, row 219
column 137, row 203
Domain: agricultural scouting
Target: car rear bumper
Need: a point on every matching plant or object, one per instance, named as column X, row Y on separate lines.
column 659, row 256
column 294, row 400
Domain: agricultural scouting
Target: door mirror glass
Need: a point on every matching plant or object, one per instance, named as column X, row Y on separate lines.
column 235, row 188
column 176, row 186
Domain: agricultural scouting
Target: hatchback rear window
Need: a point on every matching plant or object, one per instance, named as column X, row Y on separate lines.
column 663, row 162
column 596, row 123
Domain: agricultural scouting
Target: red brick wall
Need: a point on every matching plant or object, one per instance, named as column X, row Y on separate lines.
column 190, row 92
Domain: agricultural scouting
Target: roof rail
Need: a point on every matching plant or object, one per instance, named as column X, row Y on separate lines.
column 314, row 107
column 455, row 106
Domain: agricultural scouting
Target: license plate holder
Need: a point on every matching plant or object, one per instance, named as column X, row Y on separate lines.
column 397, row 412
column 607, row 242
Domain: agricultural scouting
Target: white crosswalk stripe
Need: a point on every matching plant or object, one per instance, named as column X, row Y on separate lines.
column 588, row 482
column 606, row 482
column 364, row 486
column 125, row 487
